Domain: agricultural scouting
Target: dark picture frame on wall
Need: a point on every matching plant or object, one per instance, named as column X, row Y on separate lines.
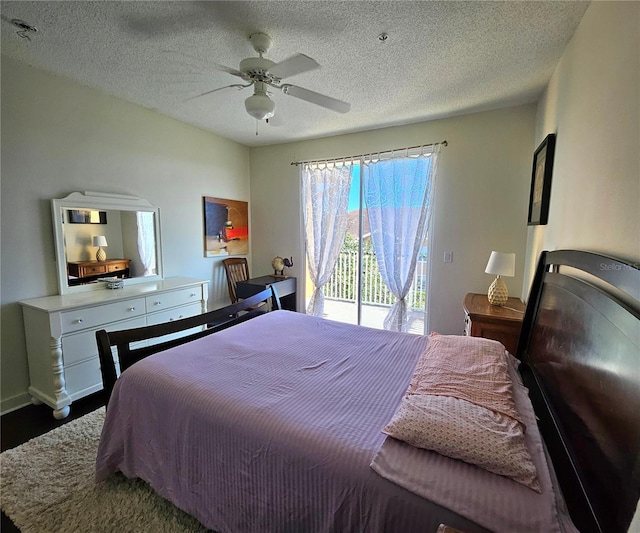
column 86, row 216
column 540, row 194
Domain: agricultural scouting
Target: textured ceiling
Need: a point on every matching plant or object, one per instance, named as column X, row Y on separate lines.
column 440, row 59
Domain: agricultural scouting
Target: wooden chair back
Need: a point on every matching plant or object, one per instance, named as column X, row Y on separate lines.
column 237, row 269
column 202, row 325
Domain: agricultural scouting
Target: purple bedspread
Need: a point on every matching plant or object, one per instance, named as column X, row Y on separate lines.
column 271, row 425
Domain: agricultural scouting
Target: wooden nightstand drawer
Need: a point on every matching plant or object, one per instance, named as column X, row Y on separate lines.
column 93, row 269
column 500, row 323
column 116, row 267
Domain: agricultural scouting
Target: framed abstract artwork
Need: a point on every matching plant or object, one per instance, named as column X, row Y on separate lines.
column 541, row 181
column 226, row 227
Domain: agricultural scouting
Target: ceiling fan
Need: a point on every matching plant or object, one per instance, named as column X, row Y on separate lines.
column 262, row 74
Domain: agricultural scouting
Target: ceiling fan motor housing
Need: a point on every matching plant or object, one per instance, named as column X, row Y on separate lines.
column 261, row 42
column 256, row 69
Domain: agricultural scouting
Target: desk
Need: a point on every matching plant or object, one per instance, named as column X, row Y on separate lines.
column 286, row 288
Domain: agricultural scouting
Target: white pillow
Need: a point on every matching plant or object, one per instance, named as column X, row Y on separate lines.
column 463, row 430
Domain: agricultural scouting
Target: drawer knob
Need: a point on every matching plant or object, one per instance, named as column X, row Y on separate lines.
column 193, row 294
column 157, row 303
column 132, row 308
column 78, row 321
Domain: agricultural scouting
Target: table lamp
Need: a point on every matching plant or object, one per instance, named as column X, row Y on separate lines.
column 500, row 264
column 100, row 241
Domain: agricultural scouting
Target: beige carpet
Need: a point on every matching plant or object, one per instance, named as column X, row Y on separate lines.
column 47, row 486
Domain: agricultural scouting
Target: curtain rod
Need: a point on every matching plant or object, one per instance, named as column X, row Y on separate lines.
column 443, row 143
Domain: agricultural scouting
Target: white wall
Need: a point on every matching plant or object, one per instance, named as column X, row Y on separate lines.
column 481, row 199
column 592, row 102
column 59, row 137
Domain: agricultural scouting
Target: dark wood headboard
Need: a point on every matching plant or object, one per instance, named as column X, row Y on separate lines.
column 580, row 347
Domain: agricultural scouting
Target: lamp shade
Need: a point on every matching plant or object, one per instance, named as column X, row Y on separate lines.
column 260, row 106
column 99, row 240
column 502, row 264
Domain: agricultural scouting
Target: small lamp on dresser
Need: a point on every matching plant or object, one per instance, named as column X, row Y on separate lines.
column 500, row 264
column 100, row 241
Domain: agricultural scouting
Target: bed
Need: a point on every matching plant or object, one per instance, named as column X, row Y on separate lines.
column 276, row 423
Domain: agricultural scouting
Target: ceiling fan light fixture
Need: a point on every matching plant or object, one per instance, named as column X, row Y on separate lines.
column 260, row 106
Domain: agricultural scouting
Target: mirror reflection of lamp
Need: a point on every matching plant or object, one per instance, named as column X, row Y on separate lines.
column 100, row 241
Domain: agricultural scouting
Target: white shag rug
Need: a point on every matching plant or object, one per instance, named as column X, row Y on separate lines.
column 47, row 486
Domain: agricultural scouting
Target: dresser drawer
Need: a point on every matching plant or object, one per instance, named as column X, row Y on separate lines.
column 165, row 300
column 83, row 378
column 174, row 314
column 89, row 317
column 80, row 346
column 170, row 316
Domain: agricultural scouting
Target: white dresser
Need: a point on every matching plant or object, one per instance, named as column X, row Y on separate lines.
column 60, row 332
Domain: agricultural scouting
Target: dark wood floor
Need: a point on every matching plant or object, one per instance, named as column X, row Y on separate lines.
column 31, row 421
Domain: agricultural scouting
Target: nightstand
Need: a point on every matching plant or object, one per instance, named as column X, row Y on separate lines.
column 500, row 323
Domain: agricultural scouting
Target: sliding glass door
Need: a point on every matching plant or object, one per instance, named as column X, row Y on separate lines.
column 379, row 273
column 356, row 292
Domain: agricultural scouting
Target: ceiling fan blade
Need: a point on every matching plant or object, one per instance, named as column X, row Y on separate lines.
column 179, row 57
column 316, row 98
column 294, row 65
column 218, row 89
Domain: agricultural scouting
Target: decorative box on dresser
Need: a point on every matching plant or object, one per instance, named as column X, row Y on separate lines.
column 60, row 332
column 500, row 323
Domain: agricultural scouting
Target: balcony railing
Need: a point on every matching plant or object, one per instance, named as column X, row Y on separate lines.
column 343, row 282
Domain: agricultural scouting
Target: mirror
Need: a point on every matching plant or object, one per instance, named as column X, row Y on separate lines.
column 101, row 236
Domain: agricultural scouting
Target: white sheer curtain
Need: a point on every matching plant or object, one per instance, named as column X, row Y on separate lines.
column 398, row 194
column 325, row 193
column 146, row 242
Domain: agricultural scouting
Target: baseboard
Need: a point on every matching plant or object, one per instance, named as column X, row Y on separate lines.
column 15, row 402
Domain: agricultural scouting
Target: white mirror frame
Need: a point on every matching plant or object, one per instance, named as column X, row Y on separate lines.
column 104, row 202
